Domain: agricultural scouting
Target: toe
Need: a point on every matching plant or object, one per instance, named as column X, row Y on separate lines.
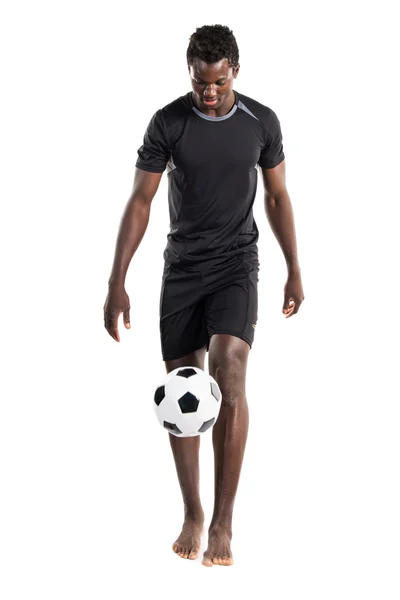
column 207, row 562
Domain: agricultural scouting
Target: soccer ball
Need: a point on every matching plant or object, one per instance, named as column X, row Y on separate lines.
column 187, row 402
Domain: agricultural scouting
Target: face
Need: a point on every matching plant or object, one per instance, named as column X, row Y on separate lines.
column 212, row 82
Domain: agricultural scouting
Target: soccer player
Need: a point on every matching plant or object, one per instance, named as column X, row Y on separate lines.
column 211, row 141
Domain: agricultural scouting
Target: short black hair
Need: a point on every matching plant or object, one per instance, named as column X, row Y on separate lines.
column 212, row 43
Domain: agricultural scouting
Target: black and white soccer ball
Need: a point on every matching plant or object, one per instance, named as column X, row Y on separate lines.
column 187, row 402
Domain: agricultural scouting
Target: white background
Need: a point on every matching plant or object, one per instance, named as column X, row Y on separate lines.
column 90, row 502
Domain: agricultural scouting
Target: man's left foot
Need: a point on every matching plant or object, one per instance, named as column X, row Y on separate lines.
column 219, row 548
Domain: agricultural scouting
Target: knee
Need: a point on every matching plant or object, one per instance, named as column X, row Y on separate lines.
column 229, row 372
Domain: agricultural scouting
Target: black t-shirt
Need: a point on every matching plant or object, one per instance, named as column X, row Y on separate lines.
column 212, row 175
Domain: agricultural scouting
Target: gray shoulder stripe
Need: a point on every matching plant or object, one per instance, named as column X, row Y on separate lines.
column 243, row 107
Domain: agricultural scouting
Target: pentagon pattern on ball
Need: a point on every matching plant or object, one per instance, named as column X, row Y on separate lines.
column 206, row 425
column 188, row 403
column 159, row 395
column 215, row 391
column 188, row 372
column 172, row 427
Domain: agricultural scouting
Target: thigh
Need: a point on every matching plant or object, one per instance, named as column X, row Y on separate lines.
column 182, row 326
column 233, row 308
column 193, row 359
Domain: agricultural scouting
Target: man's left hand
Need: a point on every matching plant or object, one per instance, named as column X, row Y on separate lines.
column 293, row 294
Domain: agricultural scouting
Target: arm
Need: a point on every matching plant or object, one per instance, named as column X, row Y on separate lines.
column 134, row 222
column 153, row 156
column 280, row 216
column 279, row 212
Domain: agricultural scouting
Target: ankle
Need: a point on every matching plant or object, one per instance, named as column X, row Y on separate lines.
column 196, row 515
column 221, row 527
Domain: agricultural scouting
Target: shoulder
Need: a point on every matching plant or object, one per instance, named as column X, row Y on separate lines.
column 178, row 108
column 263, row 113
column 172, row 117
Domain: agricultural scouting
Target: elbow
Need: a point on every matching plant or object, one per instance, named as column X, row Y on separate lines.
column 270, row 201
column 141, row 200
column 276, row 198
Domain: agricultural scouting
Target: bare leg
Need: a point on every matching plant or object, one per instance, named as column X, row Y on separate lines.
column 227, row 364
column 186, row 455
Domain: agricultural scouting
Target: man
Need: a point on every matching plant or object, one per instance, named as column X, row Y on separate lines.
column 211, row 141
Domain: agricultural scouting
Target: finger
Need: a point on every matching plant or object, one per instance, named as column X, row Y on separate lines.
column 127, row 320
column 289, row 312
column 287, row 309
column 294, row 310
column 288, row 304
column 116, row 332
column 111, row 324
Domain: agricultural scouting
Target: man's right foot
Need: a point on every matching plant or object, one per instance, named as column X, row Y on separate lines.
column 188, row 543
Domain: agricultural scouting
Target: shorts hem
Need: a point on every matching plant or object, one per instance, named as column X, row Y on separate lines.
column 178, row 355
column 229, row 332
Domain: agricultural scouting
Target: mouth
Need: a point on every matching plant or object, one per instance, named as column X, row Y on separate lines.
column 210, row 102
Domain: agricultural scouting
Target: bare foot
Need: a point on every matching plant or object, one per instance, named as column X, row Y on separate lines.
column 188, row 543
column 219, row 548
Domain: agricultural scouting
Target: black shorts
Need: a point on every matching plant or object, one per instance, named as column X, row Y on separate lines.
column 196, row 304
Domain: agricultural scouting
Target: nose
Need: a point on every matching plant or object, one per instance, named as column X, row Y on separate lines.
column 209, row 93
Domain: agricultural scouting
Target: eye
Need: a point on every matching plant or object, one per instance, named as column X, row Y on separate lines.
column 201, row 83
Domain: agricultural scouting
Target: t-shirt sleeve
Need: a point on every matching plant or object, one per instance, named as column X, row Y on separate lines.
column 154, row 153
column 272, row 153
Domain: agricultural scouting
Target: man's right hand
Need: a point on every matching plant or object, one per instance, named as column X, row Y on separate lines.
column 117, row 302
